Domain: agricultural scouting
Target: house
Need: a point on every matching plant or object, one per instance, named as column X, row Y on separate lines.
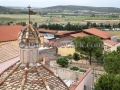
column 69, row 49
column 110, row 45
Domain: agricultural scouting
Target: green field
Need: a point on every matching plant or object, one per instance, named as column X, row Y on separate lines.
column 116, row 33
column 22, row 17
column 56, row 19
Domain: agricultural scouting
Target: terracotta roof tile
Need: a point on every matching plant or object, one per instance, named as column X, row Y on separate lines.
column 110, row 42
column 8, row 33
column 98, row 32
column 47, row 31
column 8, row 51
column 64, row 33
column 79, row 34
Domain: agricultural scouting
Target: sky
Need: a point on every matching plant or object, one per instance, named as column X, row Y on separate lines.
column 47, row 3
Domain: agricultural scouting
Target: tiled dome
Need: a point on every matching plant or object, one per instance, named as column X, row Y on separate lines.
column 29, row 35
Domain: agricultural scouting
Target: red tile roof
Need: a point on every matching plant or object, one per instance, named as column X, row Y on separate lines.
column 64, row 33
column 79, row 34
column 9, row 33
column 47, row 31
column 8, row 51
column 110, row 42
column 98, row 32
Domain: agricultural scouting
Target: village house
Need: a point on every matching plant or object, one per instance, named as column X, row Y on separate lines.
column 64, row 39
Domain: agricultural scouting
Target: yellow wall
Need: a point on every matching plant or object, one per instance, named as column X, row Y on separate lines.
column 65, row 51
column 41, row 41
column 13, row 42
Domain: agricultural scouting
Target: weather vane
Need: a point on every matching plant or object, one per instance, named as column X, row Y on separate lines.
column 29, row 12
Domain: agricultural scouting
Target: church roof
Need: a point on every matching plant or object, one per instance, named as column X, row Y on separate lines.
column 8, row 51
column 30, row 76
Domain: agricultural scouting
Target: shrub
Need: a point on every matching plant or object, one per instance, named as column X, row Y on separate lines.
column 62, row 61
column 74, row 68
column 81, row 70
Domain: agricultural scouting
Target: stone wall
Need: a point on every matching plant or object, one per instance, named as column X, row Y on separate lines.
column 66, row 74
column 49, row 53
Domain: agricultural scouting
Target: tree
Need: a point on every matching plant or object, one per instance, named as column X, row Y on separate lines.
column 112, row 62
column 99, row 55
column 35, row 24
column 88, row 45
column 23, row 23
column 69, row 57
column 76, row 57
column 105, row 82
column 62, row 61
column 116, row 85
column 108, row 82
column 118, row 49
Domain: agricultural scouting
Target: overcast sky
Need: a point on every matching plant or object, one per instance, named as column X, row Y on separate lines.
column 47, row 3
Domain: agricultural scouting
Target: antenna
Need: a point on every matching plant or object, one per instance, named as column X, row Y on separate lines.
column 29, row 12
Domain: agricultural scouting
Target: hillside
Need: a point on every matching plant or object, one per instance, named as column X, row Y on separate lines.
column 60, row 9
column 89, row 8
column 6, row 10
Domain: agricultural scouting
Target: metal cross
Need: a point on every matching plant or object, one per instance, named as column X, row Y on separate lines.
column 29, row 12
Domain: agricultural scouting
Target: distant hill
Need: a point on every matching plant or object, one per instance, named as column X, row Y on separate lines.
column 6, row 10
column 73, row 7
column 58, row 9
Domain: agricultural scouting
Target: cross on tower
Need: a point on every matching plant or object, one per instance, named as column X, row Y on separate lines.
column 29, row 12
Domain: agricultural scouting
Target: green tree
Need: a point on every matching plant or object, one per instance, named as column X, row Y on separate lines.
column 118, row 49
column 88, row 45
column 116, row 85
column 112, row 62
column 69, row 57
column 99, row 55
column 108, row 82
column 63, row 62
column 105, row 82
column 35, row 24
column 76, row 57
column 23, row 23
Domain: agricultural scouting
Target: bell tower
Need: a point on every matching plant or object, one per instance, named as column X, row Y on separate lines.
column 29, row 43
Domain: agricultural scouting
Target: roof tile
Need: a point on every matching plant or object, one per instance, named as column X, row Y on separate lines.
column 110, row 42
column 98, row 32
column 8, row 33
column 79, row 34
